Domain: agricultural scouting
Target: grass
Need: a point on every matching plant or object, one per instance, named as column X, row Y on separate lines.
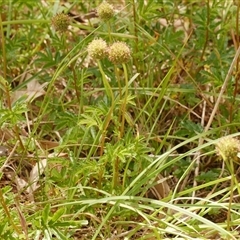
column 100, row 149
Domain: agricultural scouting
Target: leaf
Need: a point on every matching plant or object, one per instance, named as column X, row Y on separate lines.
column 45, row 214
column 59, row 234
column 33, row 91
column 20, row 183
column 208, row 176
column 22, row 219
column 161, row 189
column 35, row 174
column 4, row 84
column 47, row 235
column 57, row 215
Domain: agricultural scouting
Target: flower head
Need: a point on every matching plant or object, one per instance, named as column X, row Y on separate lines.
column 119, row 52
column 105, row 11
column 61, row 22
column 228, row 148
column 97, row 48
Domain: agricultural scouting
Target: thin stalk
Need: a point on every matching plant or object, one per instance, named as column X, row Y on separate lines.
column 109, row 92
column 76, row 86
column 115, row 180
column 207, row 31
column 3, row 49
column 122, row 115
column 27, row 21
column 135, row 32
column 231, row 170
column 124, row 105
column 120, row 95
column 104, row 130
column 237, row 75
column 9, row 17
column 109, row 31
column 7, row 212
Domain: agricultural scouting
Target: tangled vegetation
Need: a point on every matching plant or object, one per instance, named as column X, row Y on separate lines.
column 119, row 119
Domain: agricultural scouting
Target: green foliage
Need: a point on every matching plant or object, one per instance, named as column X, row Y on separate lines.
column 103, row 150
column 15, row 115
column 208, row 176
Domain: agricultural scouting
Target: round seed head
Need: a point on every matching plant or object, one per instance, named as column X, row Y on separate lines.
column 61, row 22
column 119, row 52
column 228, row 148
column 105, row 11
column 97, row 49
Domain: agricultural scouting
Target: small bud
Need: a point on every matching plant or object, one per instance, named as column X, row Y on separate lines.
column 61, row 22
column 105, row 11
column 228, row 148
column 97, row 49
column 119, row 52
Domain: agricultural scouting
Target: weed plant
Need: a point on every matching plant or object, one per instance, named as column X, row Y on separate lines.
column 111, row 112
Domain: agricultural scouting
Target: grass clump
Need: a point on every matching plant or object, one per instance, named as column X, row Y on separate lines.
column 109, row 117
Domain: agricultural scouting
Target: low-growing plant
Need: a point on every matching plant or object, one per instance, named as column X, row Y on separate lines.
column 112, row 116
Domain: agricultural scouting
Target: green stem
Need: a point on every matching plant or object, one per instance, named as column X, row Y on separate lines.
column 3, row 50
column 231, row 170
column 7, row 212
column 108, row 118
column 116, row 70
column 109, row 92
column 28, row 21
column 122, row 113
column 109, row 31
column 115, row 173
column 124, row 104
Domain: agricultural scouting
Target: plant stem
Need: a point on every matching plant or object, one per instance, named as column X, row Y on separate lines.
column 122, row 114
column 124, row 104
column 109, row 92
column 231, row 170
